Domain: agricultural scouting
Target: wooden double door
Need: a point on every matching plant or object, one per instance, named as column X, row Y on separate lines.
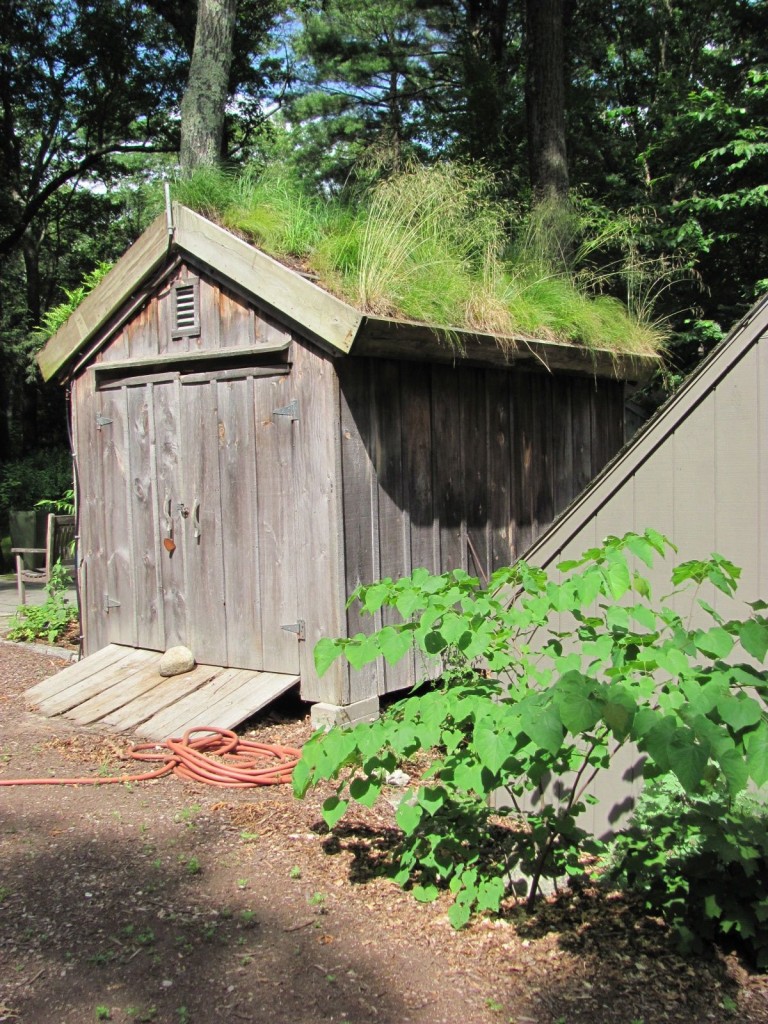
column 199, row 518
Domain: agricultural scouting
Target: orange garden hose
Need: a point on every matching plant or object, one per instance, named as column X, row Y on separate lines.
column 245, row 763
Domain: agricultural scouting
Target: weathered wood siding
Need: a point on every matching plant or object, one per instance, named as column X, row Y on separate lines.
column 188, row 490
column 455, row 467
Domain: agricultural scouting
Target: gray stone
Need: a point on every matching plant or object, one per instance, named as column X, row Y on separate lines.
column 176, row 660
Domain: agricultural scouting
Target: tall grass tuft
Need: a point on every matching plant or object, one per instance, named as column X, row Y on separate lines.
column 432, row 245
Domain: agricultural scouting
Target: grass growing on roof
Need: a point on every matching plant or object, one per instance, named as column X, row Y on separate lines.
column 432, row 245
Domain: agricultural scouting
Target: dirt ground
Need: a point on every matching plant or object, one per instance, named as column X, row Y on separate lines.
column 181, row 904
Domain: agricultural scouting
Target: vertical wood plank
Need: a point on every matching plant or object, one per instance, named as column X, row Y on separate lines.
column 581, row 417
column 475, row 426
column 417, row 466
column 522, row 464
column 204, row 560
column 278, row 553
column 359, row 507
column 320, row 554
column 91, row 507
column 210, row 318
column 168, row 493
column 240, row 543
column 393, row 522
column 144, row 560
column 500, row 491
column 121, row 622
column 448, row 484
column 562, row 443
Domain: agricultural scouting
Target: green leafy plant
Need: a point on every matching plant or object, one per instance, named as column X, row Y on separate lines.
column 48, row 621
column 700, row 861
column 543, row 679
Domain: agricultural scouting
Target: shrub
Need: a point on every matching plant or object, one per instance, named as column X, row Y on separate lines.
column 42, row 475
column 578, row 666
column 701, row 862
column 48, row 621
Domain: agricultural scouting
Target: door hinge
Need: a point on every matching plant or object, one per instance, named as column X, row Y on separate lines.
column 292, row 410
column 295, row 627
column 102, row 421
column 110, row 602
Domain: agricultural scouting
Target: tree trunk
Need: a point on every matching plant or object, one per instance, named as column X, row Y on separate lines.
column 205, row 98
column 545, row 97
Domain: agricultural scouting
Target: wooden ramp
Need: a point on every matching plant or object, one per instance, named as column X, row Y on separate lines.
column 120, row 688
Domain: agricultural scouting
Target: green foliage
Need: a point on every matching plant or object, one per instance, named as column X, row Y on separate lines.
column 48, row 621
column 544, row 679
column 429, row 244
column 701, row 862
column 42, row 475
column 57, row 316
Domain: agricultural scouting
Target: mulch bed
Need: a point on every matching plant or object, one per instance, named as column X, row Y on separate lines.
column 181, row 904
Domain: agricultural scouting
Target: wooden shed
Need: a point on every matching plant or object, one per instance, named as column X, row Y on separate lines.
column 250, row 448
column 698, row 472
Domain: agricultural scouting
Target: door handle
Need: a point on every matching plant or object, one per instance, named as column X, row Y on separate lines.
column 196, row 519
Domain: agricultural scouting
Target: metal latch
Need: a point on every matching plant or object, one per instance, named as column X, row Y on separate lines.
column 110, row 602
column 297, row 628
column 102, row 421
column 292, row 410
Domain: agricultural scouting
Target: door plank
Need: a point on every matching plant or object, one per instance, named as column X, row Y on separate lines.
column 145, row 554
column 240, row 540
column 168, row 494
column 276, row 525
column 202, row 527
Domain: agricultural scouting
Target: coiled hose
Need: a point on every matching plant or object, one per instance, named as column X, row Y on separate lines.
column 244, row 763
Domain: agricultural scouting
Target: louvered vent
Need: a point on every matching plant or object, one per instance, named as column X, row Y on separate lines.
column 186, row 308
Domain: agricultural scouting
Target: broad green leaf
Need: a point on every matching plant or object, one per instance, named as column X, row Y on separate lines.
column 459, row 914
column 641, row 547
column 469, row 776
column 640, row 613
column 333, row 810
column 408, row 816
column 754, row 638
column 300, row 778
column 739, row 712
column 375, row 596
column 325, row 653
column 394, row 643
column 715, row 642
column 615, row 572
column 491, row 748
column 490, row 893
column 757, row 754
column 687, row 759
column 431, row 798
column 361, row 649
column 365, row 791
column 425, row 893
column 543, row 724
column 434, row 642
column 572, row 694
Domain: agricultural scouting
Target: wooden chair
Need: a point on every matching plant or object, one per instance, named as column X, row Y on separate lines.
column 60, row 536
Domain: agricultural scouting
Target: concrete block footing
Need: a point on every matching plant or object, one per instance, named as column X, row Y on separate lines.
column 325, row 716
